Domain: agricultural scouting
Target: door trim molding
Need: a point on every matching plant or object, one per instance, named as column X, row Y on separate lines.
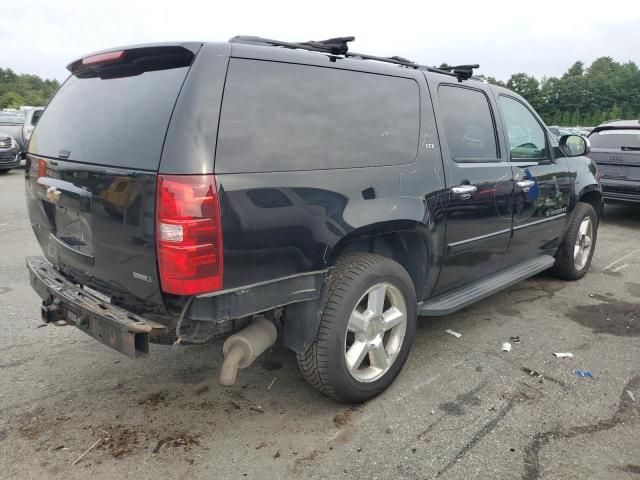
column 480, row 237
column 538, row 222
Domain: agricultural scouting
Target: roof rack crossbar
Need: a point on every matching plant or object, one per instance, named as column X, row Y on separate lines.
column 464, row 71
column 339, row 46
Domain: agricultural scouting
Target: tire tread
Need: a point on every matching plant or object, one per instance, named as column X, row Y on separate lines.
column 313, row 362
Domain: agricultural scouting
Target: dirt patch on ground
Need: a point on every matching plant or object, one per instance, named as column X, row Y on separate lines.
column 305, row 461
column 469, row 399
column 32, row 425
column 120, row 440
column 343, row 418
column 186, row 441
column 201, row 390
column 153, row 401
column 614, row 317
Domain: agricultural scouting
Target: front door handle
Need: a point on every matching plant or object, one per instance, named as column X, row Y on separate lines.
column 464, row 191
column 525, row 185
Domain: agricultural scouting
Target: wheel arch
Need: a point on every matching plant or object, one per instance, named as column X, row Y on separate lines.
column 592, row 195
column 404, row 241
column 407, row 242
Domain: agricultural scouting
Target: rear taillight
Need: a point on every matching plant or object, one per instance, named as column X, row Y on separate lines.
column 42, row 167
column 189, row 235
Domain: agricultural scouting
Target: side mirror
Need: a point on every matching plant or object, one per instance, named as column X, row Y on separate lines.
column 574, row 145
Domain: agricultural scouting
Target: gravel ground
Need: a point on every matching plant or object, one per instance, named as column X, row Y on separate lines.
column 461, row 408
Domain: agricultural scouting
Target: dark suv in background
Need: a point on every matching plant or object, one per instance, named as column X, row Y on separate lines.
column 615, row 146
column 296, row 191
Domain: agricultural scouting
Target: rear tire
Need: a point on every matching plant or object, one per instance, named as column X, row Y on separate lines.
column 573, row 258
column 366, row 331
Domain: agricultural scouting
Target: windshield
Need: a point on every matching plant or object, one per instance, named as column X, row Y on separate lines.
column 616, row 139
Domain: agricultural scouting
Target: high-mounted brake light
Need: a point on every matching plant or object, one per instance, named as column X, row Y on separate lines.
column 103, row 58
column 189, row 234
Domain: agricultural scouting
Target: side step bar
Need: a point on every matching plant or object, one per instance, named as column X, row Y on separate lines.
column 459, row 299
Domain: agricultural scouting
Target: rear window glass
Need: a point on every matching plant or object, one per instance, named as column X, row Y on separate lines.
column 117, row 122
column 278, row 117
column 468, row 124
column 616, row 139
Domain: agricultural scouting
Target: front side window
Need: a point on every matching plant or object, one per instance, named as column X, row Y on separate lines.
column 468, row 124
column 525, row 136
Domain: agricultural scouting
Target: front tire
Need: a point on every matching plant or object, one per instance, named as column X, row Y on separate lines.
column 4, row 171
column 366, row 331
column 574, row 255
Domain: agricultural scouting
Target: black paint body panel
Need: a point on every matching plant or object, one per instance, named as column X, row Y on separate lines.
column 100, row 232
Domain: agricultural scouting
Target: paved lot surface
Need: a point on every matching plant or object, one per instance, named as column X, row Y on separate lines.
column 460, row 409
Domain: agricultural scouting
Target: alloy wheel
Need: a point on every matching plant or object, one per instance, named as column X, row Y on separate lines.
column 375, row 332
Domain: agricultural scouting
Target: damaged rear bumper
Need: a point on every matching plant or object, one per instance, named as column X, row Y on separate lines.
column 65, row 301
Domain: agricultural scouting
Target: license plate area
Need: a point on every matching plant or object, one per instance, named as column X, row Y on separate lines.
column 615, row 171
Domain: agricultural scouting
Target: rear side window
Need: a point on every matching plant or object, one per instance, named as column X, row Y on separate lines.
column 468, row 124
column 118, row 122
column 616, row 139
column 279, row 117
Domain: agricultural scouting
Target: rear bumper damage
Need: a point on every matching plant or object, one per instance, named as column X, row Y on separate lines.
column 64, row 301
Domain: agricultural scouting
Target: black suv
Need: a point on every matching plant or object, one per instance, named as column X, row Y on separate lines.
column 616, row 150
column 293, row 190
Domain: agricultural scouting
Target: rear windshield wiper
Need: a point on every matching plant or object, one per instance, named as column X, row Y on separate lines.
column 630, row 149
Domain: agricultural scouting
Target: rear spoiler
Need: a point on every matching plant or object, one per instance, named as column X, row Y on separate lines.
column 604, row 127
column 134, row 60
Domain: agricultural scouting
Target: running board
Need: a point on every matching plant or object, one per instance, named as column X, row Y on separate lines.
column 458, row 299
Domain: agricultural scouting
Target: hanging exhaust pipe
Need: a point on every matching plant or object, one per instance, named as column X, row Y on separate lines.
column 242, row 348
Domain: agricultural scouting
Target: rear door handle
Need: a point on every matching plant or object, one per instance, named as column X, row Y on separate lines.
column 464, row 191
column 525, row 185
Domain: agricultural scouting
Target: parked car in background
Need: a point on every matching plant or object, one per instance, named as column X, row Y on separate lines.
column 31, row 117
column 9, row 153
column 320, row 197
column 615, row 147
column 558, row 132
column 11, row 125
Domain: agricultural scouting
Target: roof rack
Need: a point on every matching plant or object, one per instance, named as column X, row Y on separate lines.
column 339, row 46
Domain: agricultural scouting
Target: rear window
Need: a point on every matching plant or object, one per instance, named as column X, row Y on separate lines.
column 115, row 121
column 616, row 139
column 278, row 117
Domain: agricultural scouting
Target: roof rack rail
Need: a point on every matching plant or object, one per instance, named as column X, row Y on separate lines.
column 339, row 46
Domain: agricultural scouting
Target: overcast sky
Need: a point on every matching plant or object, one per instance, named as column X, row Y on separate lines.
column 542, row 38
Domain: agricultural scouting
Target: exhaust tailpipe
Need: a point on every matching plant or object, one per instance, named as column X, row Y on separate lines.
column 242, row 348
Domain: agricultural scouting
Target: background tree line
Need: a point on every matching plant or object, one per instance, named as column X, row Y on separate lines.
column 603, row 91
column 584, row 96
column 17, row 90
